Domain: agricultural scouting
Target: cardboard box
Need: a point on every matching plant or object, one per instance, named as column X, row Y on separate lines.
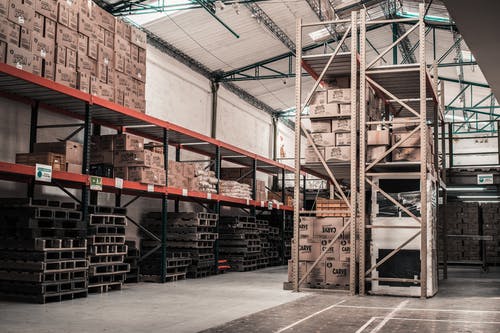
column 306, row 226
column 86, row 8
column 343, row 139
column 66, row 37
column 60, row 55
column 105, row 55
column 21, row 13
column 73, row 151
column 109, row 39
column 188, row 170
column 307, row 249
column 312, row 157
column 323, row 110
column 105, row 91
column 85, row 26
column 128, row 142
column 134, row 53
column 121, row 172
column 83, row 82
column 341, row 125
column 327, row 227
column 103, row 142
column 38, row 24
column 374, row 152
column 71, row 59
column 19, row 57
column 83, row 45
column 338, row 154
column 139, row 72
column 67, row 14
column 73, row 168
column 141, row 59
column 102, row 157
column 25, row 38
column 50, row 29
column 138, row 37
column 65, row 75
column 321, row 126
column 93, row 47
column 86, row 64
column 146, row 175
column 321, row 245
column 47, row 8
column 106, row 20
column 406, row 154
column 412, row 141
column 337, row 272
column 157, row 160
column 339, row 95
column 49, row 71
column 122, row 29
column 132, row 158
column 3, row 52
column 42, row 46
column 4, row 8
column 36, row 65
column 378, row 137
column 55, row 160
column 324, row 139
column 9, row 31
column 319, row 97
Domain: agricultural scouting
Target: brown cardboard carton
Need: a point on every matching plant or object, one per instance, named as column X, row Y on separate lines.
column 49, row 69
column 119, row 96
column 47, row 8
column 86, row 64
column 143, row 175
column 21, row 13
column 110, row 76
column 324, row 139
column 138, row 37
column 83, row 82
column 345, row 248
column 307, row 249
column 9, row 31
column 106, row 20
column 67, row 14
column 42, row 46
column 141, row 59
column 38, row 24
column 25, row 39
column 134, row 53
column 105, row 55
column 378, row 137
column 327, row 227
column 339, row 95
column 343, row 139
column 71, row 59
column 320, row 245
column 109, row 39
column 412, row 141
column 94, row 85
column 323, row 110
column 66, row 37
column 122, row 29
column 321, row 126
column 50, row 29
column 85, row 25
column 73, row 168
column 66, row 76
column 319, row 97
column 188, row 170
column 306, row 226
column 19, row 57
column 83, row 44
column 4, row 8
column 139, row 72
column 93, row 46
column 86, row 8
column 3, row 52
column 341, row 125
column 103, row 142
column 337, row 272
column 317, row 275
column 37, row 65
column 73, row 151
column 128, row 142
column 132, row 158
column 338, row 154
column 157, row 160
column 406, row 154
column 60, row 55
column 102, row 72
column 102, row 157
column 374, row 152
column 55, row 160
column 105, row 91
column 312, row 157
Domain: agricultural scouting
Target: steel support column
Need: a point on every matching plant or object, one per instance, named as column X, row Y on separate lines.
column 217, row 207
column 214, row 87
column 86, row 160
column 164, row 212
column 33, row 138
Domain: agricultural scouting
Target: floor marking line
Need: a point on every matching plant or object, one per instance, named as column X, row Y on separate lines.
column 419, row 309
column 362, row 328
column 310, row 316
column 389, row 316
column 443, row 320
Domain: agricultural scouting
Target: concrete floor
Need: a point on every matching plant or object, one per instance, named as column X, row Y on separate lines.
column 234, row 302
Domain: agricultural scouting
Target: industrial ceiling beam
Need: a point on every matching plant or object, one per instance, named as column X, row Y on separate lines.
column 261, row 17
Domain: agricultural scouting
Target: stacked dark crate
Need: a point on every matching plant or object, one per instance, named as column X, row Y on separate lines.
column 275, row 246
column 287, row 236
column 239, row 242
column 462, row 223
column 132, row 258
column 106, row 248
column 42, row 251
column 265, row 245
column 491, row 227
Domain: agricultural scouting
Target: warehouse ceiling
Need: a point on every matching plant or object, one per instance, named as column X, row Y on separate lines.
column 250, row 44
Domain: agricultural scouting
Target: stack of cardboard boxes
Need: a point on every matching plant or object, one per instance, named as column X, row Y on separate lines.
column 78, row 44
column 315, row 234
column 62, row 156
column 330, row 114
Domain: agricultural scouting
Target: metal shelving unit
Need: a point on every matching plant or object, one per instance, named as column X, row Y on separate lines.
column 324, row 67
column 40, row 93
column 410, row 89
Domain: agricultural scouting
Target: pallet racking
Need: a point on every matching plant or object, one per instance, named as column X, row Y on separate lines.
column 92, row 113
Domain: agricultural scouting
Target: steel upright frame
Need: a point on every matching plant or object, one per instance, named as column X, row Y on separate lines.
column 368, row 72
column 328, row 169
